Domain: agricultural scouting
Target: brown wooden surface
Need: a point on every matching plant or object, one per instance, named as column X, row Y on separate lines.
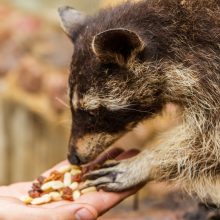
column 29, row 143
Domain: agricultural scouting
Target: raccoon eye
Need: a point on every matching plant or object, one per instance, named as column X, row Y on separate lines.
column 91, row 113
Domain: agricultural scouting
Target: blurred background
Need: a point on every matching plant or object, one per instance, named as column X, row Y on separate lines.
column 34, row 113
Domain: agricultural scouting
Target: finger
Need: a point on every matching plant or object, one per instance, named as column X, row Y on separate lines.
column 109, row 155
column 79, row 211
column 64, row 211
column 128, row 154
column 110, row 163
column 97, row 182
column 98, row 173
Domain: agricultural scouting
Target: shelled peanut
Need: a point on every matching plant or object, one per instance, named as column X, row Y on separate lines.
column 61, row 184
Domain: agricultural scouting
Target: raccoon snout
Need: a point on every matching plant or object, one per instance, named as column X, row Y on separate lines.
column 74, row 158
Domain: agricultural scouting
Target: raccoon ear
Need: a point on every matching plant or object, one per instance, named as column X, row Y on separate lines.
column 117, row 45
column 70, row 19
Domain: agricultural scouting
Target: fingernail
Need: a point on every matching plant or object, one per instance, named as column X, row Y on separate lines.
column 84, row 214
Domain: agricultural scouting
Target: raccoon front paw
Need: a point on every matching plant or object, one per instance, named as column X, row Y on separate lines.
column 116, row 176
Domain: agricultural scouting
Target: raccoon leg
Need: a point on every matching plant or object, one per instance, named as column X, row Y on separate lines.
column 122, row 175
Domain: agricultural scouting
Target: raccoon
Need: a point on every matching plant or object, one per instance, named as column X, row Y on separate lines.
column 128, row 63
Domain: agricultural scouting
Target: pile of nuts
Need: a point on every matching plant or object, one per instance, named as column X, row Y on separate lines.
column 61, row 184
column 65, row 183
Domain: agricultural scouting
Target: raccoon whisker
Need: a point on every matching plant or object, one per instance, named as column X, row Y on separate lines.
column 62, row 102
column 132, row 109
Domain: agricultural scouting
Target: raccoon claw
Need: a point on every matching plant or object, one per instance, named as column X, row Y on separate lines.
column 100, row 178
column 99, row 183
column 105, row 183
column 113, row 178
column 110, row 163
column 119, row 175
column 105, row 172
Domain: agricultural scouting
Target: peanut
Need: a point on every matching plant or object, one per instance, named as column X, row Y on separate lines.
column 74, row 185
column 55, row 196
column 41, row 200
column 67, row 179
column 75, row 172
column 26, row 199
column 88, row 190
column 52, row 185
column 64, row 168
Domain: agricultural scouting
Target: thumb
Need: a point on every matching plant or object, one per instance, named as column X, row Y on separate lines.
column 79, row 211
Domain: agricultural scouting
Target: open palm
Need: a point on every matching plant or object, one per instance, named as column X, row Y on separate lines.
column 88, row 206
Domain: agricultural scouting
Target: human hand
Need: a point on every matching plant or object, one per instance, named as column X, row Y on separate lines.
column 87, row 207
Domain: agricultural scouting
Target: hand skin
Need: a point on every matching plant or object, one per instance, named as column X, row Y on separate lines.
column 87, row 207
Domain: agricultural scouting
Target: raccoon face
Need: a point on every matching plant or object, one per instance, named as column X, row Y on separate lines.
column 103, row 90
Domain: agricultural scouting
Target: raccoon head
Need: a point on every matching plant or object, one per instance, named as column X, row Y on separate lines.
column 107, row 97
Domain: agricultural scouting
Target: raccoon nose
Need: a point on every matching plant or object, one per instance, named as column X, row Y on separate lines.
column 74, row 159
